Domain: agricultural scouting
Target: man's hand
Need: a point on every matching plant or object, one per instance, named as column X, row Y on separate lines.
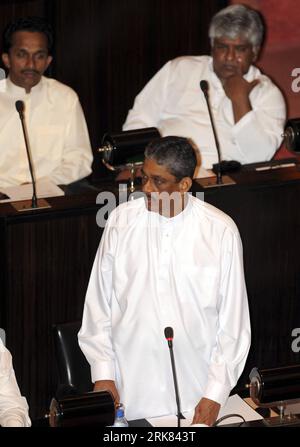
column 206, row 412
column 237, row 89
column 108, row 385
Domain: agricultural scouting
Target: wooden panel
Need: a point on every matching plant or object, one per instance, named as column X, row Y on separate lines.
column 48, row 267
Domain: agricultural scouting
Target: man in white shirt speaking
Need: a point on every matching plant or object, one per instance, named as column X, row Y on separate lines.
column 163, row 263
column 57, row 131
column 248, row 109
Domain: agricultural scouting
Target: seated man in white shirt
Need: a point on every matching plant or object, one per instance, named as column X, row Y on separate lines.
column 13, row 407
column 248, row 109
column 57, row 131
column 167, row 259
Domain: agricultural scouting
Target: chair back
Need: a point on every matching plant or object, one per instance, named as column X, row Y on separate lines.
column 73, row 368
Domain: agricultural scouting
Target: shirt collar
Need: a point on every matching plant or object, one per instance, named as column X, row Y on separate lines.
column 217, row 84
column 162, row 220
column 17, row 91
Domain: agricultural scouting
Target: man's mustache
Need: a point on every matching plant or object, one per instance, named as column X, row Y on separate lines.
column 30, row 72
column 231, row 66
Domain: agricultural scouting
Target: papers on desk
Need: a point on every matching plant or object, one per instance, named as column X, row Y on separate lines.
column 275, row 166
column 234, row 405
column 44, row 188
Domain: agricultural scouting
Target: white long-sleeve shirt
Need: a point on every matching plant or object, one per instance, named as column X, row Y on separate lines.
column 57, row 132
column 151, row 272
column 173, row 102
column 13, row 407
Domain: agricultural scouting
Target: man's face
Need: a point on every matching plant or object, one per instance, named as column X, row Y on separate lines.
column 27, row 59
column 164, row 193
column 232, row 57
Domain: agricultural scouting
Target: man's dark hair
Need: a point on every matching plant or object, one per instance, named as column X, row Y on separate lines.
column 175, row 153
column 32, row 24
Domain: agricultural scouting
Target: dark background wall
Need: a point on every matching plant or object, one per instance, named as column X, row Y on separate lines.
column 108, row 49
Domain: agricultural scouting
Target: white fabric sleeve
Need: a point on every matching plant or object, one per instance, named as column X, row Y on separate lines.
column 148, row 104
column 77, row 154
column 229, row 355
column 13, row 407
column 259, row 133
column 95, row 338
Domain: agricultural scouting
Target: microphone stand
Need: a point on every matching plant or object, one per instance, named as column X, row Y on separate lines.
column 169, row 337
column 35, row 204
column 34, row 198
column 220, row 180
column 219, row 174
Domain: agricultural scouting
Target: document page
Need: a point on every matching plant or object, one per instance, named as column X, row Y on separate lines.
column 234, row 405
column 44, row 188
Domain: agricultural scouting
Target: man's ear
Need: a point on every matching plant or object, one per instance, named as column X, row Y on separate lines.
column 185, row 184
column 5, row 59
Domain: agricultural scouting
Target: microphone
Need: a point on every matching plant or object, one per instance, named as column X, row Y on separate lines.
column 169, row 335
column 20, row 110
column 21, row 206
column 204, row 87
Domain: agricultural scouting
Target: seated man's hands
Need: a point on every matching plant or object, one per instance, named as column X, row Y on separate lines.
column 238, row 89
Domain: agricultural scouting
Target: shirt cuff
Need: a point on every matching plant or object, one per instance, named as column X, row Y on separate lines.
column 218, row 392
column 102, row 371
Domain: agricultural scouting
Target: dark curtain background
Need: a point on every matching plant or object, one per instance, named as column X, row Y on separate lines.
column 108, row 49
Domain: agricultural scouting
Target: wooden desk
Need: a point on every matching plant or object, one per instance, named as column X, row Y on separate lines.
column 46, row 260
